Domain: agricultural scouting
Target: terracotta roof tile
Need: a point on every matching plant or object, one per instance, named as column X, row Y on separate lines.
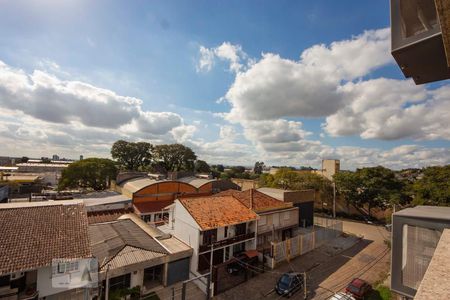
column 30, row 237
column 256, row 200
column 217, row 211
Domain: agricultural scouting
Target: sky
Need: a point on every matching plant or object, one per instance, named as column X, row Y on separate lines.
column 284, row 82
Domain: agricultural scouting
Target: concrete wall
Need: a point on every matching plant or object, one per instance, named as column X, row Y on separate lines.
column 44, row 283
column 137, row 278
column 188, row 231
column 277, row 220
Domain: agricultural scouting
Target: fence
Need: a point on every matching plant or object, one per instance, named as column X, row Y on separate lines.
column 323, row 231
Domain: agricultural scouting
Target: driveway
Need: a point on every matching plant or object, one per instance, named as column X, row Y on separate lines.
column 369, row 259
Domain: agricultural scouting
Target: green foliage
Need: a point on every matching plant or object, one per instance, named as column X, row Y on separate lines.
column 380, row 292
column 24, row 159
column 93, row 173
column 202, row 167
column 258, row 168
column 376, row 187
column 434, row 187
column 175, row 157
column 132, row 156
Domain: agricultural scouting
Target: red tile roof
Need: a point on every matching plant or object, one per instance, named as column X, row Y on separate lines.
column 30, row 237
column 257, row 201
column 95, row 217
column 151, row 206
column 212, row 212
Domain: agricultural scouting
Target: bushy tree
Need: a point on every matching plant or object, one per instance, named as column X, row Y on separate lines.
column 175, row 157
column 434, row 187
column 259, row 167
column 92, row 173
column 202, row 166
column 132, row 156
column 375, row 186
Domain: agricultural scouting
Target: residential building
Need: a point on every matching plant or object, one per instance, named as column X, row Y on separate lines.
column 221, row 224
column 330, row 167
column 32, row 237
column 133, row 254
column 303, row 200
column 416, row 233
column 277, row 219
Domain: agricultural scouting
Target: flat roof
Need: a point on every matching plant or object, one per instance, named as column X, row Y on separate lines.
column 436, row 281
column 426, row 212
column 103, row 198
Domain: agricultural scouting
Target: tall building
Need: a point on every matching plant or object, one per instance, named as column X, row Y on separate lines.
column 330, row 167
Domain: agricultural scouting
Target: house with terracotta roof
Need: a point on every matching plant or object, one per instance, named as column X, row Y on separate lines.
column 44, row 247
column 277, row 219
column 221, row 224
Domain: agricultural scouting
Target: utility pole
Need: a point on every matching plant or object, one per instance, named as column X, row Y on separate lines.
column 211, row 268
column 107, row 283
column 334, row 200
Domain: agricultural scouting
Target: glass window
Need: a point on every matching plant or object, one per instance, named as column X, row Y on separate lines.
column 417, row 16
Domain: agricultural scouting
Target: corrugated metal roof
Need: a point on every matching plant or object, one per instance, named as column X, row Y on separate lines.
column 108, row 239
column 134, row 185
column 195, row 181
column 129, row 255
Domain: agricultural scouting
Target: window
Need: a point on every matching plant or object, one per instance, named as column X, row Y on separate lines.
column 286, row 215
column 241, row 229
column 147, row 218
column 209, row 236
column 262, row 220
column 225, row 232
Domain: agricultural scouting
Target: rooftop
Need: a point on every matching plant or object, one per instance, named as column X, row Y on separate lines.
column 426, row 212
column 123, row 242
column 103, row 216
column 33, row 235
column 256, row 200
column 217, row 211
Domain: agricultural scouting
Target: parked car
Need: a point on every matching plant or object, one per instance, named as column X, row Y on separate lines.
column 342, row 296
column 358, row 288
column 289, row 283
column 242, row 261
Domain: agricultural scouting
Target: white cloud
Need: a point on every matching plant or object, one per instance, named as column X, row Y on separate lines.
column 228, row 133
column 233, row 54
column 183, row 133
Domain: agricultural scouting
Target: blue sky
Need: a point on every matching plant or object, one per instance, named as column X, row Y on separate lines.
column 151, row 52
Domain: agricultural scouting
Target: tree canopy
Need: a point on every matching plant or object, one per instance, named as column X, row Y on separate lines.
column 93, row 173
column 434, row 187
column 175, row 157
column 202, row 167
column 258, row 168
column 376, row 187
column 132, row 156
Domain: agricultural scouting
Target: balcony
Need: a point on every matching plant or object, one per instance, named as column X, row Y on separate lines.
column 226, row 242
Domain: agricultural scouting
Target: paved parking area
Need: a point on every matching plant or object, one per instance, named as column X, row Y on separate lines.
column 368, row 259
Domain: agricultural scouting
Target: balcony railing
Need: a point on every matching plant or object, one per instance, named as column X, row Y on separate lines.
column 226, row 242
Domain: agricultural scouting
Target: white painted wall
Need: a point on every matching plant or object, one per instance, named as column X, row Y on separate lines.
column 137, row 278
column 188, row 231
column 44, row 283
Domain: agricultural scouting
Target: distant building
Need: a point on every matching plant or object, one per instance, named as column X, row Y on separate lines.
column 55, row 157
column 417, row 233
column 330, row 167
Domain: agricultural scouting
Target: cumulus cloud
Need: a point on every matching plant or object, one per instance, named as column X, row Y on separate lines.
column 274, row 87
column 233, row 54
column 392, row 109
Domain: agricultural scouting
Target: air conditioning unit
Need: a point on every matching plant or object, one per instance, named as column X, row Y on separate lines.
column 417, row 44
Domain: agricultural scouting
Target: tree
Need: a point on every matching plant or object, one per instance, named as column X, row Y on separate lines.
column 434, row 187
column 376, row 187
column 258, row 168
column 93, row 173
column 175, row 157
column 132, row 156
column 202, row 167
column 220, row 168
column 24, row 159
column 45, row 160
